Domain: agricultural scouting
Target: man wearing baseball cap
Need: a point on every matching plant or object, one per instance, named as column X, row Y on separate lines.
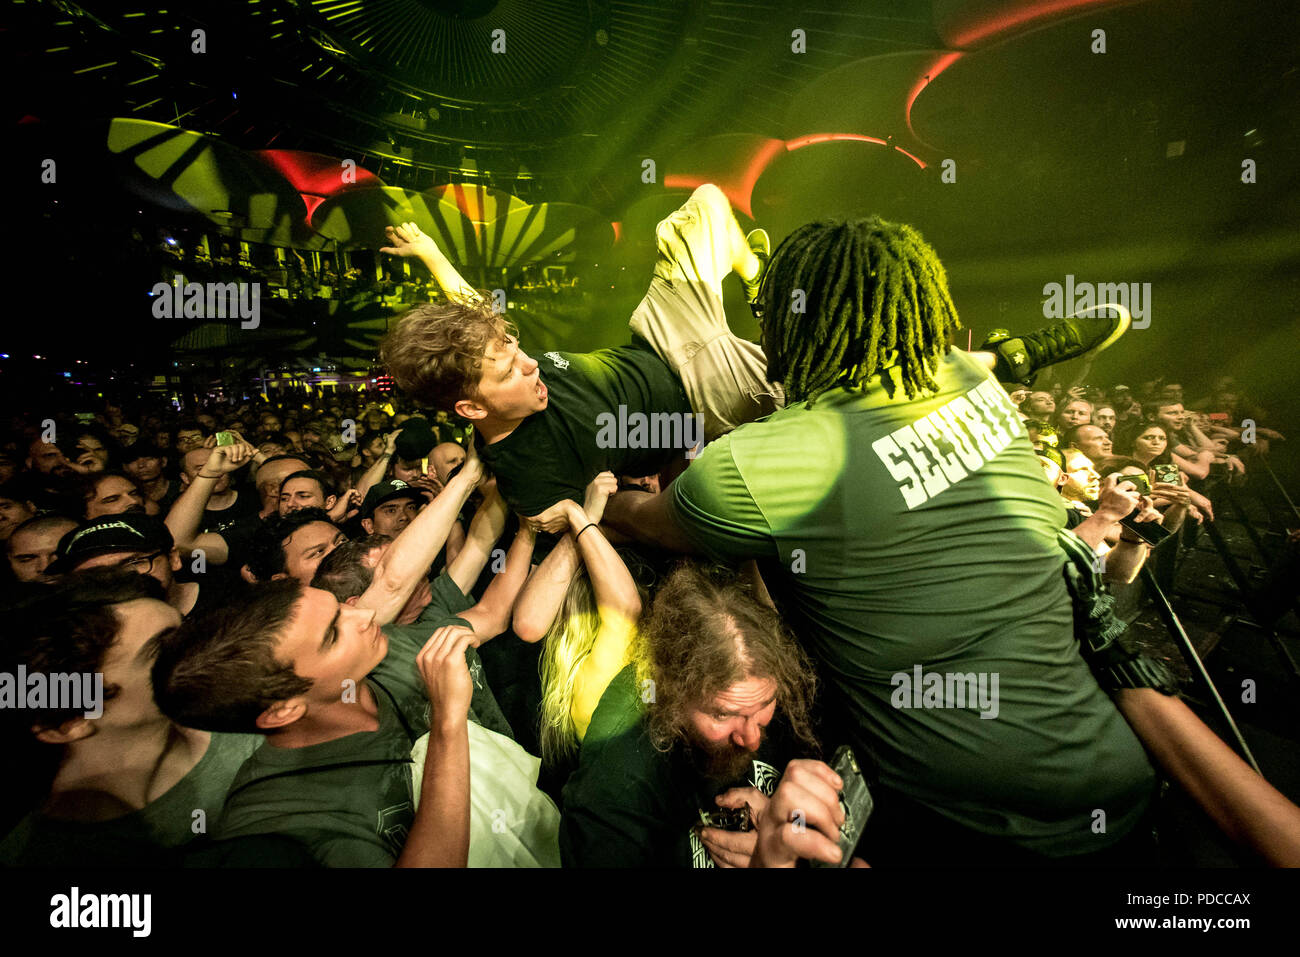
column 390, row 506
column 138, row 543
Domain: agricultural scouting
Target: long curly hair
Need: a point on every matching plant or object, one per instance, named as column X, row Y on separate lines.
column 706, row 632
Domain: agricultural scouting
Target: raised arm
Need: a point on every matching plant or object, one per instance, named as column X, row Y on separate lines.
column 542, row 596
column 408, row 559
column 643, row 517
column 440, row 833
column 491, row 615
column 617, row 602
column 186, row 514
column 375, row 474
column 407, row 240
column 484, row 532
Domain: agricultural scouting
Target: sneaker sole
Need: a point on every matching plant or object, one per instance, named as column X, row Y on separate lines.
column 1125, row 320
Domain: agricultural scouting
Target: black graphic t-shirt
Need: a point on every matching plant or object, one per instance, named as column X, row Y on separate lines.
column 553, row 454
column 630, row 805
column 222, row 520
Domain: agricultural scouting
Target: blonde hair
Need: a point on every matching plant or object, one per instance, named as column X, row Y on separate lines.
column 565, row 647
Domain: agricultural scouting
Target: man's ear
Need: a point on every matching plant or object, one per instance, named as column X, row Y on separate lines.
column 282, row 714
column 185, row 479
column 176, row 559
column 330, row 500
column 247, row 575
column 369, row 525
column 469, row 409
column 74, row 729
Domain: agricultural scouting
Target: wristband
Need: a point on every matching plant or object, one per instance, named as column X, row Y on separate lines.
column 583, row 529
column 217, row 476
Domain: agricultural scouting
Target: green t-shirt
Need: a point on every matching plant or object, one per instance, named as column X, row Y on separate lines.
column 149, row 837
column 349, row 800
column 898, row 535
column 630, row 805
column 553, row 454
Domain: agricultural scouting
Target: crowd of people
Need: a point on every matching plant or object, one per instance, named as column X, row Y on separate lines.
column 475, row 623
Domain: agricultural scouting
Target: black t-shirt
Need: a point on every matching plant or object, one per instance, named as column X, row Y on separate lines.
column 221, row 520
column 594, row 400
column 631, row 805
column 238, row 536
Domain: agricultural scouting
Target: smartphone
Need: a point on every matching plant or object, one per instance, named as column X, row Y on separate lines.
column 856, row 801
column 1153, row 533
column 1166, row 473
column 728, row 819
column 225, row 438
column 1140, row 482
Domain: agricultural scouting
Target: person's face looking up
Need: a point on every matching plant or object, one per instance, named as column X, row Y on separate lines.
column 1038, row 404
column 1075, row 413
column 113, row 496
column 1083, row 483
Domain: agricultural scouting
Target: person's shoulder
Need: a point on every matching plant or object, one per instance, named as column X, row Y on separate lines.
column 447, row 600
column 620, row 708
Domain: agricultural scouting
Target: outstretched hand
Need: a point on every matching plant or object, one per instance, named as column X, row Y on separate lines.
column 408, row 240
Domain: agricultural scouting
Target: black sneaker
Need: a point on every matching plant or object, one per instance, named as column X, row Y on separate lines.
column 1019, row 359
column 761, row 246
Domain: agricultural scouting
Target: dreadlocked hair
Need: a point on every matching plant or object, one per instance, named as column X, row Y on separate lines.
column 873, row 295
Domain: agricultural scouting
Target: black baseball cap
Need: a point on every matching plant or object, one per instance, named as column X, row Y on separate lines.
column 416, row 440
column 127, row 532
column 386, row 492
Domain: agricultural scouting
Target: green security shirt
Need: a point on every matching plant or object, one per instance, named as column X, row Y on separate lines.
column 597, row 418
column 349, row 800
column 149, row 837
column 906, row 541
